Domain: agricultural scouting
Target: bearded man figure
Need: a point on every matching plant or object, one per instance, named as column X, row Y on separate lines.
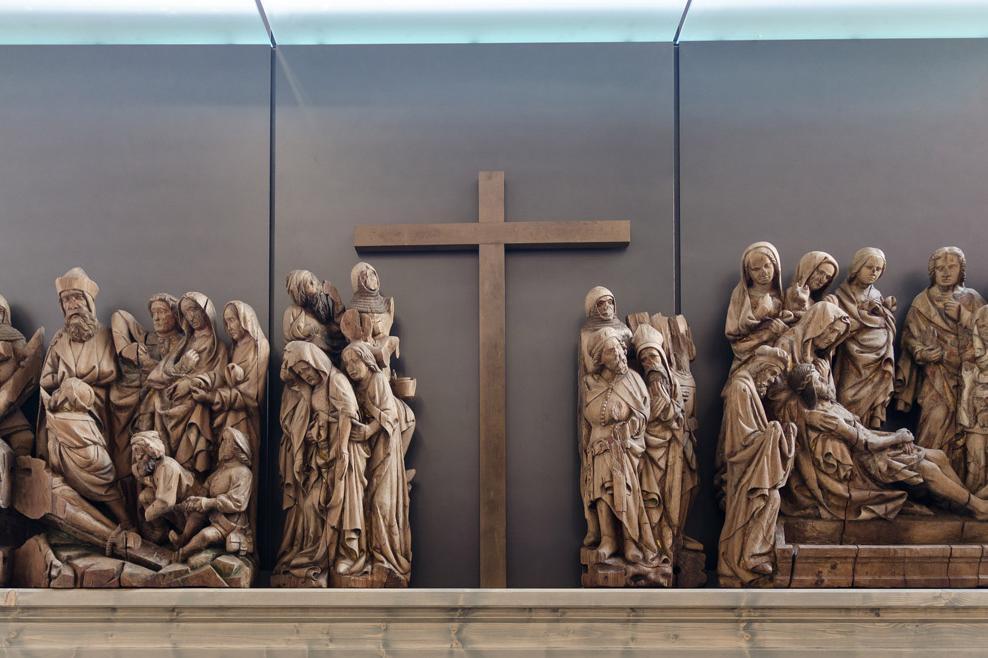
column 82, row 349
column 315, row 312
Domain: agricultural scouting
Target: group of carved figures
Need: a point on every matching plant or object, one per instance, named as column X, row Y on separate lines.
column 637, row 447
column 805, row 404
column 144, row 466
column 345, row 431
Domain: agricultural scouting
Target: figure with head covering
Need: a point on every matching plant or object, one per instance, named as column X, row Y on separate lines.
column 179, row 417
column 757, row 315
column 601, row 313
column 314, row 314
column 936, row 341
column 615, row 414
column 849, row 472
column 389, row 428
column 972, row 411
column 163, row 482
column 236, row 394
column 371, row 316
column 665, row 458
column 814, row 274
column 82, row 349
column 864, row 367
column 219, row 514
column 815, row 338
column 138, row 352
column 323, row 461
column 758, row 457
column 77, row 447
column 20, row 367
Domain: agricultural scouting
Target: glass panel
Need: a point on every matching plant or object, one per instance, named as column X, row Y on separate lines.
column 471, row 21
column 737, row 20
column 131, row 22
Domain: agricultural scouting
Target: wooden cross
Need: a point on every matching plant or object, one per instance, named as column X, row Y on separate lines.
column 491, row 235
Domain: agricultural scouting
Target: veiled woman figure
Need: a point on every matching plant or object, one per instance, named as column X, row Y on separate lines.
column 390, row 537
column 236, row 393
column 758, row 459
column 864, row 369
column 186, row 421
column 322, row 471
column 815, row 337
column 756, row 315
column 814, row 274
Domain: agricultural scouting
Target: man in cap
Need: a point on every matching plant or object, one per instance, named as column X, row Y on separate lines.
column 82, row 349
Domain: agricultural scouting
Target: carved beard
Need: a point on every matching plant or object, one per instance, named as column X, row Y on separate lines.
column 321, row 306
column 148, row 467
column 81, row 326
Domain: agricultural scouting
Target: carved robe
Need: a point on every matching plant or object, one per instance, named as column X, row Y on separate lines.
column 758, row 458
column 936, row 385
column 864, row 368
column 390, row 536
column 322, row 471
column 750, row 312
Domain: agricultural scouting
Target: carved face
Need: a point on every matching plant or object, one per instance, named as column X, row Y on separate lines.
column 355, row 367
column 764, row 378
column 871, row 270
column 370, row 281
column 310, row 287
column 146, row 464
column 649, row 358
column 307, row 373
column 194, row 314
column 605, row 308
column 232, row 323
column 73, row 302
column 821, row 277
column 947, row 271
column 613, row 357
column 760, row 268
column 829, row 335
column 162, row 317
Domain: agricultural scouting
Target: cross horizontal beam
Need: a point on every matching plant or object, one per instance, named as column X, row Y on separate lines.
column 532, row 234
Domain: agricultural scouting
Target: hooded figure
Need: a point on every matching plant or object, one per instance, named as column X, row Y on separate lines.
column 185, row 421
column 314, row 314
column 389, row 534
column 815, row 337
column 936, row 340
column 20, row 365
column 814, row 274
column 864, row 369
column 756, row 315
column 600, row 310
column 82, row 349
column 758, row 456
column 972, row 413
column 322, row 471
column 665, row 469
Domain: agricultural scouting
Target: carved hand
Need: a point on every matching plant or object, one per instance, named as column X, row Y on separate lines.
column 823, row 421
column 778, row 327
column 929, row 354
column 953, row 310
column 891, row 304
column 202, row 395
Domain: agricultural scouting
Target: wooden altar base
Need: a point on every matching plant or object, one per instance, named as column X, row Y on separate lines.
column 310, row 623
column 910, row 551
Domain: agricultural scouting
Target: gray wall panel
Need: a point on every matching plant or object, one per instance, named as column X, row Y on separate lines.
column 392, row 134
column 148, row 166
column 830, row 145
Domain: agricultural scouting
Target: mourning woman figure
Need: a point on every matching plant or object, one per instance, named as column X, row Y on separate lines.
column 236, row 393
column 758, row 455
column 187, row 422
column 387, row 499
column 321, row 470
column 615, row 414
column 814, row 274
column 756, row 315
column 864, row 369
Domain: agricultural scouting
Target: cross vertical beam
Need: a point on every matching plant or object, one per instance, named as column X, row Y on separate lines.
column 493, row 439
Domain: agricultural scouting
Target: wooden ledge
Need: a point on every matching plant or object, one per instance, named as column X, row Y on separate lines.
column 152, row 623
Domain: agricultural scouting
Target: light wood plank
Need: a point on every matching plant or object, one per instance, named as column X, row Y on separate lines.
column 519, row 234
